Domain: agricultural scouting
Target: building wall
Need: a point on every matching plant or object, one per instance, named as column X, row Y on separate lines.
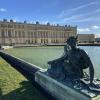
column 97, row 39
column 86, row 38
column 12, row 33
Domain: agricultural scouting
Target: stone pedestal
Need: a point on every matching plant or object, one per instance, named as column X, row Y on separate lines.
column 59, row 90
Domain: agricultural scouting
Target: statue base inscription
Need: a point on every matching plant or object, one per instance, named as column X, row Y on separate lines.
column 61, row 91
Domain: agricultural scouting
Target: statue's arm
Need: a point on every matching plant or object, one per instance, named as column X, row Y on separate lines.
column 89, row 63
column 64, row 56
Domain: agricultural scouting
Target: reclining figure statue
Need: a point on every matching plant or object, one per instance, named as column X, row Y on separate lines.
column 71, row 64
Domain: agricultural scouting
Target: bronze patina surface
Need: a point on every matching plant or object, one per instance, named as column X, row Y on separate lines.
column 70, row 68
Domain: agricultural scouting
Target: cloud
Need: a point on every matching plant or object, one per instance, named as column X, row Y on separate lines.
column 73, row 16
column 64, row 13
column 83, row 29
column 98, row 10
column 3, row 10
column 44, row 22
column 81, row 15
column 82, row 18
column 95, row 27
column 97, row 35
column 89, row 29
column 77, row 16
column 83, row 6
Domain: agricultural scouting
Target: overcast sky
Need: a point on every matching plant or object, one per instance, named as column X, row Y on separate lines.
column 83, row 13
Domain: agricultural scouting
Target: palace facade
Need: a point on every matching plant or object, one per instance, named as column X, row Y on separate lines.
column 12, row 33
column 86, row 38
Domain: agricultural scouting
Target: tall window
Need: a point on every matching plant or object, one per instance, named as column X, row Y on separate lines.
column 19, row 33
column 16, row 34
column 9, row 33
column 2, row 33
column 23, row 34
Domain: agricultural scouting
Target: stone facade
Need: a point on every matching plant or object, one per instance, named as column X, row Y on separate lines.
column 86, row 38
column 12, row 33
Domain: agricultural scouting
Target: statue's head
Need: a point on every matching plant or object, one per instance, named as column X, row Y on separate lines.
column 72, row 41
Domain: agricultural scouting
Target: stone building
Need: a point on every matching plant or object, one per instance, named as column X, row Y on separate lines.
column 86, row 38
column 12, row 33
column 97, row 40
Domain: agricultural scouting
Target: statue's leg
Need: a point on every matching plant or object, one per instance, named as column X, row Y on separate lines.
column 67, row 70
column 60, row 72
column 52, row 70
column 56, row 71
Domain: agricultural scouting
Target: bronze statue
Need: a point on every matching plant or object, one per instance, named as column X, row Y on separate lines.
column 71, row 65
column 69, row 68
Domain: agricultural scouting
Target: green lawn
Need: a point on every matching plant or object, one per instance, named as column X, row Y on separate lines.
column 13, row 86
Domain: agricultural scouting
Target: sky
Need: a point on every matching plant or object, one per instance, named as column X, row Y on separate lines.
column 83, row 13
